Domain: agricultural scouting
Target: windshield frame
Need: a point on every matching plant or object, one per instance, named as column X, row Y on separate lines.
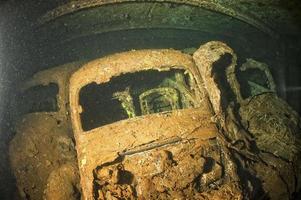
column 103, row 69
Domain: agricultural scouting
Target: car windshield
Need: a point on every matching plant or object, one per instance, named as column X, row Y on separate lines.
column 135, row 94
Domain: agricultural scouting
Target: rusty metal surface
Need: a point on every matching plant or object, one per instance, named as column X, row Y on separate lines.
column 43, row 141
column 134, row 144
column 115, row 27
column 162, row 155
column 207, row 4
column 263, row 120
column 59, row 75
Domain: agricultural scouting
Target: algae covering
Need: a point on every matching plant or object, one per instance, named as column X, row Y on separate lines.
column 158, row 124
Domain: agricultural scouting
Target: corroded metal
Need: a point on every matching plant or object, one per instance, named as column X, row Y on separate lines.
column 43, row 148
column 145, row 148
column 212, row 143
column 75, row 6
column 261, row 119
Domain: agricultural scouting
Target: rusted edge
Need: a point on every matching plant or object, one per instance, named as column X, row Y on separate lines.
column 58, row 75
column 75, row 6
column 103, row 69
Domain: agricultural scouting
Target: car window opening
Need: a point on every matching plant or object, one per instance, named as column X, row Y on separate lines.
column 134, row 94
column 40, row 98
column 253, row 82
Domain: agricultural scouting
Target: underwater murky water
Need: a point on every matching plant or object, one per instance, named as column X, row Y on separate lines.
column 147, row 100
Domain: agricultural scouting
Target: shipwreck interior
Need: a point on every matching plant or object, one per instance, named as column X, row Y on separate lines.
column 264, row 38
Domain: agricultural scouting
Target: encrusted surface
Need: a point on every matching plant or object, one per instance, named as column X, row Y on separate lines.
column 262, row 131
column 43, row 141
column 207, row 4
column 176, row 154
column 222, row 146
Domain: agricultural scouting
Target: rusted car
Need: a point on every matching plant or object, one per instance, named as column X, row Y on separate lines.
column 157, row 124
column 262, row 131
column 43, row 145
column 143, row 129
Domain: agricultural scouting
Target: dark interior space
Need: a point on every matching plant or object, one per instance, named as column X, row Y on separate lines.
column 39, row 99
column 258, row 78
column 131, row 95
column 32, row 39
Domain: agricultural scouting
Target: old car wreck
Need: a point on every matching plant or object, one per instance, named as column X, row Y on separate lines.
column 160, row 99
column 157, row 124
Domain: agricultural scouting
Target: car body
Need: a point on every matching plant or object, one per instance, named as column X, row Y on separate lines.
column 262, row 131
column 149, row 154
column 44, row 139
column 157, row 124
